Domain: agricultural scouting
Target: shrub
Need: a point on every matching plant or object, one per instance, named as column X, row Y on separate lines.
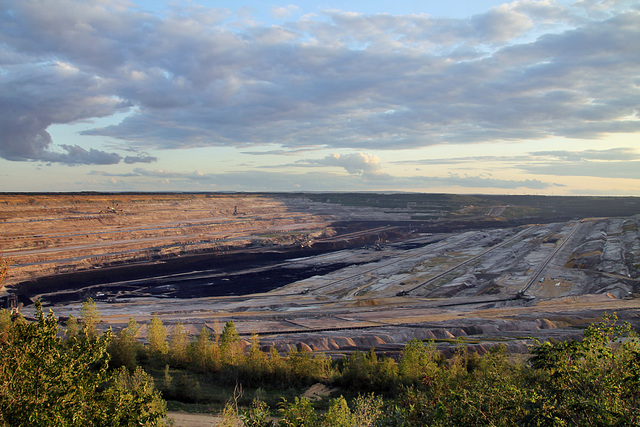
column 46, row 381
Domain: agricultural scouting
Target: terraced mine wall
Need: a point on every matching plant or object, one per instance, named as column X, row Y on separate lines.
column 115, row 279
column 110, row 280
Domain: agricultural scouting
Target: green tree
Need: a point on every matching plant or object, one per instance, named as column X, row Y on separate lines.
column 72, row 327
column 304, row 367
column 168, row 379
column 365, row 371
column 254, row 369
column 178, row 344
column 133, row 401
column 45, row 381
column 367, row 409
column 277, row 366
column 124, row 348
column 417, row 361
column 157, row 338
column 300, row 413
column 4, row 268
column 338, row 414
column 90, row 316
column 204, row 353
column 5, row 324
column 480, row 391
column 257, row 415
column 229, row 334
column 229, row 344
column 588, row 382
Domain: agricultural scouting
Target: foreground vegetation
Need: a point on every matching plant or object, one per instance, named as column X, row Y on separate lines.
column 49, row 381
column 82, row 377
column 595, row 381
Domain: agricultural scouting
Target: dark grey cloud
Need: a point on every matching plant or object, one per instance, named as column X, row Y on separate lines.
column 140, row 158
column 34, row 96
column 527, row 69
column 76, row 155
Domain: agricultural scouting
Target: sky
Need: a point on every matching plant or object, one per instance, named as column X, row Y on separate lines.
column 464, row 96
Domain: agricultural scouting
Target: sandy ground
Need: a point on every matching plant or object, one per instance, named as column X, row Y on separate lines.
column 184, row 419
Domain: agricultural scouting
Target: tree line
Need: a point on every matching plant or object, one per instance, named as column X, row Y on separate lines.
column 76, row 375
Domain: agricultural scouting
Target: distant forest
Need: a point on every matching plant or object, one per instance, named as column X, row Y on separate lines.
column 544, row 207
column 426, row 205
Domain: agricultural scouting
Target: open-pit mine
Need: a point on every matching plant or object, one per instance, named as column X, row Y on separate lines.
column 329, row 272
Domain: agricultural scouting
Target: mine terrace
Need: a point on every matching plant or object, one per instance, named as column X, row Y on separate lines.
column 330, row 272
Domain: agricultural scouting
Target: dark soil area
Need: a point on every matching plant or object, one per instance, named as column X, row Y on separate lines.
column 221, row 273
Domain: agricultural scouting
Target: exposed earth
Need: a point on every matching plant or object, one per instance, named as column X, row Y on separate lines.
column 330, row 272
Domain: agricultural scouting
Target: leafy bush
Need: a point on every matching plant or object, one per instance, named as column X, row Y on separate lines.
column 47, row 381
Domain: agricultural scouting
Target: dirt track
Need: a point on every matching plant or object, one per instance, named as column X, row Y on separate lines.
column 185, row 419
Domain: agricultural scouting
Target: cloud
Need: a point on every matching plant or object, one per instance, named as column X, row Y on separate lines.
column 627, row 170
column 34, row 96
column 620, row 162
column 76, row 155
column 461, row 160
column 199, row 77
column 612, row 154
column 141, row 158
column 354, row 163
column 501, row 23
column 599, row 9
column 291, row 152
column 284, row 11
column 311, row 181
column 619, row 153
column 482, row 182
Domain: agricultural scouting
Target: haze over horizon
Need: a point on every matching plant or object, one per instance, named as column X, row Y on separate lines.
column 493, row 97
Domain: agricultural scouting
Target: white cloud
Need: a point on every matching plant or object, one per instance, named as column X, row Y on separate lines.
column 502, row 23
column 354, row 163
column 282, row 12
